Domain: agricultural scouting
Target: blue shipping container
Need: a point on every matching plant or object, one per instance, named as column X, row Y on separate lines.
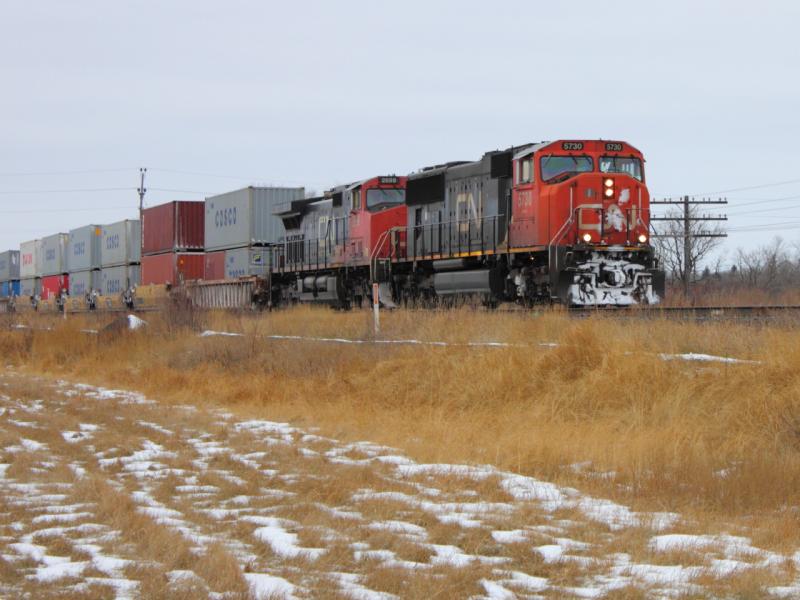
column 9, row 288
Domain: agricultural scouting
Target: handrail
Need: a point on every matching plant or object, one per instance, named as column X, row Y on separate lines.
column 376, row 250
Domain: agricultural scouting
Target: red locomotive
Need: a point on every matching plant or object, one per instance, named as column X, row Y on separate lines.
column 557, row 221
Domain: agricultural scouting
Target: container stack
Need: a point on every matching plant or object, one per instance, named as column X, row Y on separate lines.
column 120, row 255
column 9, row 273
column 239, row 227
column 53, row 253
column 30, row 268
column 173, row 243
column 83, row 260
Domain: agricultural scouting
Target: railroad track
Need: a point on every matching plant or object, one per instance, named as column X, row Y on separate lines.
column 700, row 313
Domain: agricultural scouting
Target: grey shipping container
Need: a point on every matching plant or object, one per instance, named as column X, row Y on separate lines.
column 9, row 265
column 30, row 287
column 82, row 282
column 83, row 250
column 115, row 280
column 30, row 261
column 121, row 244
column 245, row 217
column 243, row 262
column 54, row 254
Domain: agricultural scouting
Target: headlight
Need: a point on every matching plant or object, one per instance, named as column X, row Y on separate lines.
column 608, row 182
column 609, row 192
column 642, row 238
column 587, row 237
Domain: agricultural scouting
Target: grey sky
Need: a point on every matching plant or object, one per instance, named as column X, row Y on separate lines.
column 319, row 93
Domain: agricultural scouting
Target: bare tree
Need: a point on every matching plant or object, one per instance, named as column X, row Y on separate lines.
column 670, row 237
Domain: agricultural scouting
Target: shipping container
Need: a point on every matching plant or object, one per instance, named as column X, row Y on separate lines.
column 9, row 265
column 215, row 266
column 9, row 288
column 172, row 268
column 30, row 264
column 83, row 282
column 53, row 253
column 245, row 217
column 173, row 227
column 116, row 280
column 121, row 243
column 52, row 286
column 83, row 250
column 30, row 287
column 244, row 262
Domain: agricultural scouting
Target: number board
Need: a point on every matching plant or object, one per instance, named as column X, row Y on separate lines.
column 613, row 147
column 572, row 146
column 389, row 180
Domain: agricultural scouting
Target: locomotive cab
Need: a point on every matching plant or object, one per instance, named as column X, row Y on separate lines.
column 376, row 206
column 587, row 205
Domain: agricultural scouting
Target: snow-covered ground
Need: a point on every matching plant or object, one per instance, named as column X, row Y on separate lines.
column 107, row 490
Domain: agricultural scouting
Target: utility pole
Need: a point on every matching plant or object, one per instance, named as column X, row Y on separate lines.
column 688, row 235
column 141, row 190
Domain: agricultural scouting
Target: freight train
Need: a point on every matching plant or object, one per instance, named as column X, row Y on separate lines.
column 564, row 221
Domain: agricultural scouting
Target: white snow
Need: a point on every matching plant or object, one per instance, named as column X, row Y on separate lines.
column 135, row 322
column 281, row 541
column 267, row 587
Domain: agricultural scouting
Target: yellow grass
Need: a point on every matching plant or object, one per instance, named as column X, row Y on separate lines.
column 718, row 442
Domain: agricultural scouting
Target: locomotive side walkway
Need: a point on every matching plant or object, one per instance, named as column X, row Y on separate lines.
column 108, row 493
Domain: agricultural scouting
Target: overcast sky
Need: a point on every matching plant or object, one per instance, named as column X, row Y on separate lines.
column 212, row 96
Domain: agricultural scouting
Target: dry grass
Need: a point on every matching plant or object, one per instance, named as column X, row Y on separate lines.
column 719, row 442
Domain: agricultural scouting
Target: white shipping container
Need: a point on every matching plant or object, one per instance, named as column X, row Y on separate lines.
column 245, row 217
column 243, row 262
column 83, row 282
column 9, row 265
column 83, row 250
column 30, row 287
column 53, row 254
column 116, row 280
column 121, row 243
column 29, row 259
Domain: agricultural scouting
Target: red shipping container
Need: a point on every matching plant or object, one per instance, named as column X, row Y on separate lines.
column 215, row 266
column 172, row 267
column 52, row 286
column 174, row 226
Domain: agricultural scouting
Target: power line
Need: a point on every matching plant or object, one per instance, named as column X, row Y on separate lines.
column 76, row 172
column 60, row 210
column 236, row 177
column 745, row 189
column 69, row 191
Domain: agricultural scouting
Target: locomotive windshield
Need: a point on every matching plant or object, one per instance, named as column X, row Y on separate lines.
column 564, row 167
column 619, row 164
column 377, row 199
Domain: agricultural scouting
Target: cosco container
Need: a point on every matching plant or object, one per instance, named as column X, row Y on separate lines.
column 215, row 266
column 53, row 254
column 83, row 282
column 52, row 286
column 9, row 265
column 121, row 244
column 30, row 287
column 116, row 280
column 30, row 264
column 172, row 268
column 173, row 227
column 244, row 217
column 9, row 288
column 243, row 262
column 83, row 250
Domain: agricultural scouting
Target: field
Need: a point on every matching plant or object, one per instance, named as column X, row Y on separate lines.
column 459, row 454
